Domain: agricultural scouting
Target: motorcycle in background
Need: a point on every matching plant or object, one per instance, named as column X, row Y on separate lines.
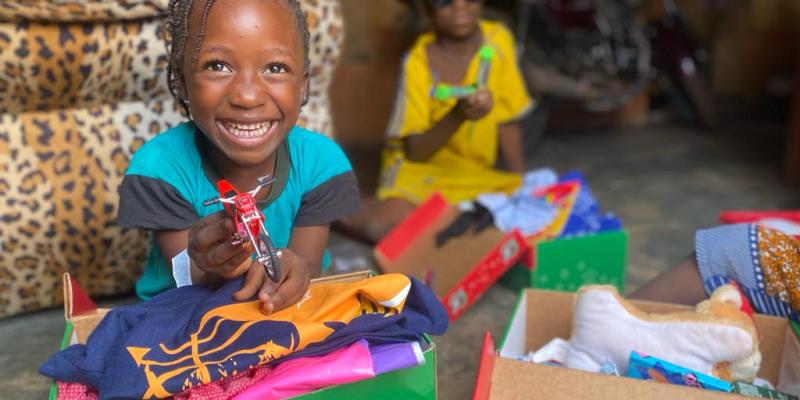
column 600, row 53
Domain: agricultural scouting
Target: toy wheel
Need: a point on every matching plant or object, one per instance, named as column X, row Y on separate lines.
column 270, row 260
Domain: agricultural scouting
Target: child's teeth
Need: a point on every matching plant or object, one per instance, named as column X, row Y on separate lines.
column 249, row 130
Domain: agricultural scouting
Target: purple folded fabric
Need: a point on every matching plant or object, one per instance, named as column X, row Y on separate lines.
column 391, row 357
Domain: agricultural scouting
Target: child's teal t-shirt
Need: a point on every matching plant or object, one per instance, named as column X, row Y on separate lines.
column 168, row 180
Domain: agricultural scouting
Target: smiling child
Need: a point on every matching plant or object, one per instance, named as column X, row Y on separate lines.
column 240, row 70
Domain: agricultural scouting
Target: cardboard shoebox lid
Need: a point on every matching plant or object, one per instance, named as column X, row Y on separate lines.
column 460, row 270
column 543, row 315
column 84, row 315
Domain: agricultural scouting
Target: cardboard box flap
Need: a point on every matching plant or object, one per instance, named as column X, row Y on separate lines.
column 549, row 323
column 789, row 380
column 80, row 310
column 344, row 278
column 513, row 343
column 76, row 301
column 486, row 366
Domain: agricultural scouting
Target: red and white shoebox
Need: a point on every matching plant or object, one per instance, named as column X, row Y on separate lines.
column 459, row 271
column 786, row 221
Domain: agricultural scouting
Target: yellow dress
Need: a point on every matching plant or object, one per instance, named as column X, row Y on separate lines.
column 464, row 167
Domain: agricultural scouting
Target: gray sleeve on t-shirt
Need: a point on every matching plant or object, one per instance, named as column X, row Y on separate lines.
column 150, row 203
column 333, row 199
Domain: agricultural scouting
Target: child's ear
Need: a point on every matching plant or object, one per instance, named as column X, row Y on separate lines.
column 182, row 93
column 184, row 100
column 305, row 90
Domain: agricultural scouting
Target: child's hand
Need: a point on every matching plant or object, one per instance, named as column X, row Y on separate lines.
column 478, row 105
column 211, row 248
column 277, row 296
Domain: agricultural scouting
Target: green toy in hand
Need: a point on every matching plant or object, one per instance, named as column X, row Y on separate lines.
column 443, row 91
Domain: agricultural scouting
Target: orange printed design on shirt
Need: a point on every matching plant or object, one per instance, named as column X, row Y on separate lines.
column 779, row 256
column 228, row 335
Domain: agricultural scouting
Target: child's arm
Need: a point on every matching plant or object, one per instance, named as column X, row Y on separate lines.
column 420, row 148
column 681, row 284
column 300, row 262
column 511, row 146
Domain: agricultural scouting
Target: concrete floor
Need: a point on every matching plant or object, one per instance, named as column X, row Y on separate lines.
column 664, row 181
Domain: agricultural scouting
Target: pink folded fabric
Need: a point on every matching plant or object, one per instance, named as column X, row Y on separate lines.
column 303, row 375
column 75, row 391
column 226, row 388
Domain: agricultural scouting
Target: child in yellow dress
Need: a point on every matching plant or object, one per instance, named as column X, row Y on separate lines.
column 450, row 145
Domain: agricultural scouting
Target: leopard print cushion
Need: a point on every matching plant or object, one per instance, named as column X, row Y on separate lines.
column 76, row 100
column 326, row 26
column 55, row 66
column 60, row 173
column 80, row 10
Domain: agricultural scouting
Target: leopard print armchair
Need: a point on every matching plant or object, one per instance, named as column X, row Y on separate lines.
column 82, row 86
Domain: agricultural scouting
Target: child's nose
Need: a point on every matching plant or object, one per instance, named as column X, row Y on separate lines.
column 247, row 92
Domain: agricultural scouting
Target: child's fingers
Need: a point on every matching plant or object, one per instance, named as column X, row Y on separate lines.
column 232, row 270
column 483, row 98
column 209, row 231
column 471, row 100
column 252, row 282
column 210, row 219
column 468, row 107
column 295, row 283
column 226, row 256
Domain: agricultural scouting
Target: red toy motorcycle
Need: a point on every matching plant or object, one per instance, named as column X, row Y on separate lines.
column 249, row 222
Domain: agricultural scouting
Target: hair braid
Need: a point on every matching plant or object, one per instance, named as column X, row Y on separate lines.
column 176, row 33
column 201, row 33
column 302, row 29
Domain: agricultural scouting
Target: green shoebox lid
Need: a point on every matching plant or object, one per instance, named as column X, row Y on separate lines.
column 566, row 264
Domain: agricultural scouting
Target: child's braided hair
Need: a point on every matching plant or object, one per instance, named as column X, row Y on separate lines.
column 177, row 31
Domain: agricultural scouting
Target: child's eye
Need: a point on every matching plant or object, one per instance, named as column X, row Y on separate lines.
column 276, row 69
column 216, row 66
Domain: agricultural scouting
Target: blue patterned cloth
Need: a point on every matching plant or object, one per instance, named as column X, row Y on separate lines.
column 732, row 252
column 586, row 217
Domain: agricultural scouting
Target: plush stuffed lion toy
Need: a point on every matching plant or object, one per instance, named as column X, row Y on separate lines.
column 718, row 338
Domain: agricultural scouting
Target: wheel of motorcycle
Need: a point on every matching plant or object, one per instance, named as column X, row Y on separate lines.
column 271, row 264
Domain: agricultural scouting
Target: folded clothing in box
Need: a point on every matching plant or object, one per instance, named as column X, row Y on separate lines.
column 196, row 334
